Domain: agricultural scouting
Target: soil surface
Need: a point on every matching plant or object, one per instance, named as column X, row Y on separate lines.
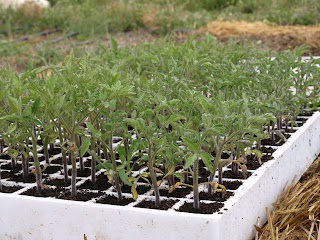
column 165, row 204
column 10, row 189
column 204, row 208
column 114, row 200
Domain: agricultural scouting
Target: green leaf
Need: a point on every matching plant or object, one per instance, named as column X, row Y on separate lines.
column 131, row 179
column 120, row 167
column 13, row 153
column 13, row 103
column 134, row 114
column 84, row 147
column 191, row 145
column 11, row 128
column 104, row 165
column 175, row 118
column 131, row 122
column 190, row 161
column 35, row 106
column 206, row 158
column 121, row 152
column 90, row 127
column 124, row 177
column 12, row 118
column 180, row 176
column 114, row 44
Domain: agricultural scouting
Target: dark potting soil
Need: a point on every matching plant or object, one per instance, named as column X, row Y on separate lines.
column 141, row 189
column 278, row 141
column 306, row 113
column 56, row 161
column 252, row 165
column 252, row 158
column 114, row 200
column 101, row 184
column 216, row 196
column 203, row 172
column 19, row 178
column 178, row 192
column 39, row 159
column 291, row 130
column 10, row 189
column 52, row 169
column 164, row 205
column 81, row 195
column 205, row 208
column 268, row 150
column 54, row 151
column 5, row 174
column 85, row 173
column 87, row 163
column 58, row 182
column 14, row 169
column 50, row 192
column 302, row 119
column 230, row 174
column 5, row 157
column 232, row 185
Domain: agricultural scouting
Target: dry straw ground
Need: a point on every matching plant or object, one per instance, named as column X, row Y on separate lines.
column 296, row 213
column 277, row 37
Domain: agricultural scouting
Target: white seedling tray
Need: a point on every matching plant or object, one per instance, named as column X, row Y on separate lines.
column 34, row 218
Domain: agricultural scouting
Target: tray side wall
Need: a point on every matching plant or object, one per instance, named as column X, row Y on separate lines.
column 26, row 218
column 264, row 188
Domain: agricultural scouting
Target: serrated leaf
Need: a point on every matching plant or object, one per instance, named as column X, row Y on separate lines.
column 84, row 147
column 131, row 122
column 120, row 167
column 35, row 106
column 13, row 103
column 114, row 44
column 90, row 127
column 12, row 118
column 124, row 177
column 190, row 161
column 174, row 118
column 122, row 153
column 191, row 145
column 11, row 128
column 180, row 176
column 206, row 158
column 13, row 153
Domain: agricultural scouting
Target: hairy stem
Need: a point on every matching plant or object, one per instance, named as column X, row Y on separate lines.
column 64, row 155
column 36, row 163
column 79, row 142
column 115, row 172
column 93, row 160
column 74, row 166
column 196, row 200
column 153, row 175
column 45, row 149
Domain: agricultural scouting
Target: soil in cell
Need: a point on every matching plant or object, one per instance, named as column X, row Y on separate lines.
column 164, row 205
column 205, row 208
